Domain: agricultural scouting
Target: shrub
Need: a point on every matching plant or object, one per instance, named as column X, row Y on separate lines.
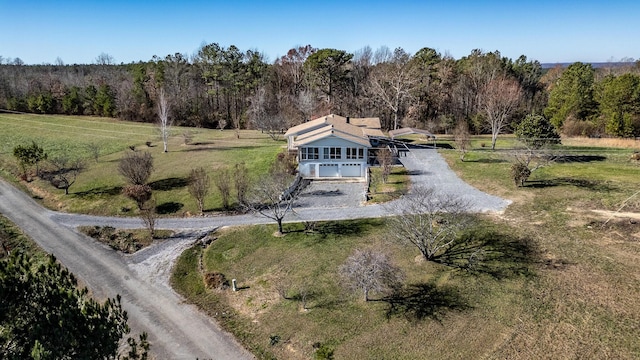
column 536, row 131
column 323, row 352
column 139, row 193
column 136, row 167
column 285, row 163
column 520, row 173
column 574, row 127
column 28, row 156
column 215, row 280
column 199, row 184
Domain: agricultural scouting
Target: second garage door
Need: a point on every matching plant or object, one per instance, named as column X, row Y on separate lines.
column 351, row 170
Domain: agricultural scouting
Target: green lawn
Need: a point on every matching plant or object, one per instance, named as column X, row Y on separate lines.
column 98, row 189
column 268, row 267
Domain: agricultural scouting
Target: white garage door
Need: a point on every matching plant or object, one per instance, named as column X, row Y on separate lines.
column 351, row 170
column 328, row 170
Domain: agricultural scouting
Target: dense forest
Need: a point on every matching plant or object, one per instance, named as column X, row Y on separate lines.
column 226, row 87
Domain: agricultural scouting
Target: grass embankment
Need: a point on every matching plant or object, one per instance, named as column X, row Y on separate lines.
column 397, row 184
column 555, row 281
column 98, row 188
column 12, row 239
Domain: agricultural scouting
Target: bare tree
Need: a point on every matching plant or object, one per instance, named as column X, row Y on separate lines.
column 369, row 270
column 429, row 221
column 273, row 196
column 498, row 99
column 94, row 151
column 305, row 102
column 221, row 179
column 305, row 293
column 391, row 79
column 65, row 171
column 149, row 216
column 164, row 121
column 272, row 124
column 222, row 124
column 105, row 59
column 529, row 159
column 462, row 138
column 199, row 184
column 385, row 159
column 136, row 167
column 241, row 182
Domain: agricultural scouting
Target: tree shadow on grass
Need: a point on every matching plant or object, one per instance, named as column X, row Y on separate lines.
column 169, row 184
column 581, row 183
column 421, row 301
column 578, row 158
column 493, row 253
column 169, row 208
column 342, row 228
column 486, row 161
column 224, row 148
column 200, row 143
column 99, row 192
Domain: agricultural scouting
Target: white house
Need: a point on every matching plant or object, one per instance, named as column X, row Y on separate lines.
column 334, row 146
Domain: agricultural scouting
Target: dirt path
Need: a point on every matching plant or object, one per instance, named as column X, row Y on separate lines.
column 176, row 330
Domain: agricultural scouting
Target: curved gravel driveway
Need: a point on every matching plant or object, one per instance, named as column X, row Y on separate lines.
column 176, row 329
column 426, row 166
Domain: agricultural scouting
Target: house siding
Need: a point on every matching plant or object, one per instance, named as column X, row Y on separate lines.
column 333, row 167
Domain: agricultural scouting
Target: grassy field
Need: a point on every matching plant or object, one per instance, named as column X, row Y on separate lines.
column 98, row 189
column 558, row 280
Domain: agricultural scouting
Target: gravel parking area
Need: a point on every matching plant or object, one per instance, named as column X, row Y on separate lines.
column 323, row 194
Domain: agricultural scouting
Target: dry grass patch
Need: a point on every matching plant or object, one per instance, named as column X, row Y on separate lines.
column 602, row 142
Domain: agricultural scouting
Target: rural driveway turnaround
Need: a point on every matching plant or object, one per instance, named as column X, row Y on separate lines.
column 178, row 330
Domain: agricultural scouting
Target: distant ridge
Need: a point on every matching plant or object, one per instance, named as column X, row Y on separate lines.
column 596, row 65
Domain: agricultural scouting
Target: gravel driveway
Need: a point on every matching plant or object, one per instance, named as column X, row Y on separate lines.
column 429, row 169
column 324, row 194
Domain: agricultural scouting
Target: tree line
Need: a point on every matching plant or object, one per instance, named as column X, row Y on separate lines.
column 225, row 87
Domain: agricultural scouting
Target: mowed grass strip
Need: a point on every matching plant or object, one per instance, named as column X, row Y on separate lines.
column 98, row 188
column 397, row 184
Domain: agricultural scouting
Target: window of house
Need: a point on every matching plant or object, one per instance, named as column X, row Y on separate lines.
column 355, row 153
column 332, row 153
column 309, row 153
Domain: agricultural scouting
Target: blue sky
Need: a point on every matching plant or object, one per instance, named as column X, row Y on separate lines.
column 548, row 31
